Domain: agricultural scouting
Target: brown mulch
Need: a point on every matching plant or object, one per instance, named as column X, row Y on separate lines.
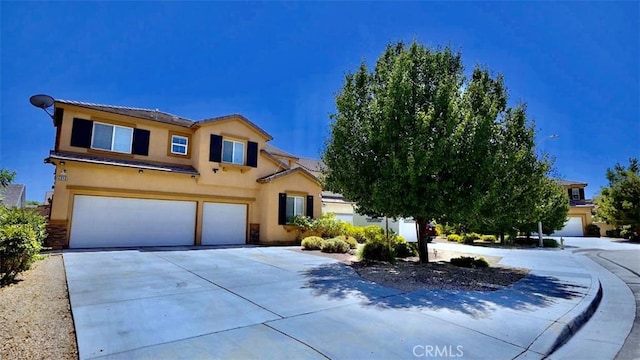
column 409, row 275
column 35, row 315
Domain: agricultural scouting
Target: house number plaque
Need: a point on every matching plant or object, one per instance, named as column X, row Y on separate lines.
column 61, row 178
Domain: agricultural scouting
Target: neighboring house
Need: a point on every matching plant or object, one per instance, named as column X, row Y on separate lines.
column 580, row 211
column 405, row 227
column 141, row 177
column 13, row 195
column 331, row 202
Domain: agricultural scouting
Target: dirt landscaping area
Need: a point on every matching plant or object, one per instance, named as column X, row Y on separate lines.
column 35, row 315
column 409, row 275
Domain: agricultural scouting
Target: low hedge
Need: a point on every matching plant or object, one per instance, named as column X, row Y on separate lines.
column 334, row 245
column 312, row 243
column 469, row 262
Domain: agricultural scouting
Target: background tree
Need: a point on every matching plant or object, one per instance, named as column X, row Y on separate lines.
column 414, row 138
column 619, row 202
column 6, row 177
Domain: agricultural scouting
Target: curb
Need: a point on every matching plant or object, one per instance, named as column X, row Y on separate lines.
column 568, row 325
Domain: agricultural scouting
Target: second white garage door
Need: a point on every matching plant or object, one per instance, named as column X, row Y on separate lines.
column 573, row 227
column 224, row 224
column 100, row 221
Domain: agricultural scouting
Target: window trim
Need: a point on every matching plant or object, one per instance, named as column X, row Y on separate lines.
column 575, row 194
column 186, row 145
column 233, row 149
column 113, row 137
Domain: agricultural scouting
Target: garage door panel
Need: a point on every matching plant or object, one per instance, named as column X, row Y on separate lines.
column 224, row 224
column 120, row 222
column 573, row 227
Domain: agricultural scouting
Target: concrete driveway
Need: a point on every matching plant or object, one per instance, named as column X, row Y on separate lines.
column 160, row 303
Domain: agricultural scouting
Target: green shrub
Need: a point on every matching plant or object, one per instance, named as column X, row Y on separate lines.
column 593, row 230
column 615, row 233
column 21, row 234
column 454, row 237
column 374, row 233
column 475, row 236
column 468, row 239
column 302, row 224
column 353, row 243
column 444, row 229
column 356, row 232
column 480, row 263
column 488, row 238
column 377, row 250
column 312, row 243
column 334, row 245
column 469, row 262
column 19, row 248
column 405, row 249
column 547, row 242
column 328, row 226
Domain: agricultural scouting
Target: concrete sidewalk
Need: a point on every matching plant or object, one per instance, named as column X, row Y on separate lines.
column 277, row 303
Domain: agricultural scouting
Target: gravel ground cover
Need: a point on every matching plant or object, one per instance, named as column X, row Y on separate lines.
column 35, row 315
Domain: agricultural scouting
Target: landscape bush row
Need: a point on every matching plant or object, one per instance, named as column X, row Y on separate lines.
column 329, row 234
column 469, row 239
column 22, row 232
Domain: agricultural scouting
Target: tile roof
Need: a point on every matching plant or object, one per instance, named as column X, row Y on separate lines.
column 12, row 194
column 282, row 164
column 147, row 114
column 278, row 152
column 232, row 116
column 185, row 169
column 161, row 116
column 280, row 174
column 565, row 182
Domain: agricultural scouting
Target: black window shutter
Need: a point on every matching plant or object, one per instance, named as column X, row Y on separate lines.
column 140, row 142
column 252, row 154
column 215, row 148
column 570, row 195
column 282, row 209
column 582, row 194
column 81, row 133
column 310, row 206
column 57, row 116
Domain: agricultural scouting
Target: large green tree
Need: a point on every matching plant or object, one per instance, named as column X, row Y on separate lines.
column 415, row 138
column 619, row 202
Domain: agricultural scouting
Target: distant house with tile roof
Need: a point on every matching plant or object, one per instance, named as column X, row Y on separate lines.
column 13, row 195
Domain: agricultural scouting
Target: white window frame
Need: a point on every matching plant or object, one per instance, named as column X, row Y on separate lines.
column 113, row 137
column 295, row 213
column 233, row 151
column 186, row 144
column 575, row 194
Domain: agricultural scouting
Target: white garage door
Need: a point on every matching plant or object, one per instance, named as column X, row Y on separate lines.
column 100, row 221
column 573, row 227
column 224, row 224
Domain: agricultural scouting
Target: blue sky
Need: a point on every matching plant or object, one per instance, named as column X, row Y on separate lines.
column 576, row 65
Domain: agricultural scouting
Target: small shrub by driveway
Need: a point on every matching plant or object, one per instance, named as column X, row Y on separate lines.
column 35, row 317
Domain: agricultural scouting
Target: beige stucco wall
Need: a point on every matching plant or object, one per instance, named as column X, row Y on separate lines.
column 294, row 184
column 337, row 208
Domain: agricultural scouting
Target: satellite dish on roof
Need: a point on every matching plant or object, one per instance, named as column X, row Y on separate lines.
column 41, row 101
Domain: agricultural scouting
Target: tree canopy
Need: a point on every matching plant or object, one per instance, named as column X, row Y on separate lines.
column 619, row 202
column 415, row 138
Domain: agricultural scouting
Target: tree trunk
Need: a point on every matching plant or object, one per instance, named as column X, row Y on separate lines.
column 502, row 239
column 421, row 224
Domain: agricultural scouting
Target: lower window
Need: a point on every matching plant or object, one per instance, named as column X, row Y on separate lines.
column 295, row 206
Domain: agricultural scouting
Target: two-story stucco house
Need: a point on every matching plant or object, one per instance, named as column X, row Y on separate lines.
column 140, row 177
column 579, row 215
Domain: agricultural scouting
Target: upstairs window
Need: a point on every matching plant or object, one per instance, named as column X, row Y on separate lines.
column 179, row 144
column 112, row 138
column 233, row 152
column 575, row 194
